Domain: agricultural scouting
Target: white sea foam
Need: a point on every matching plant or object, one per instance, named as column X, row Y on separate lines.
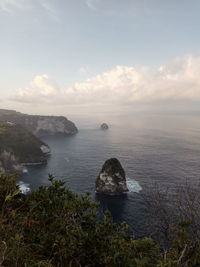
column 25, row 170
column 25, row 188
column 133, row 185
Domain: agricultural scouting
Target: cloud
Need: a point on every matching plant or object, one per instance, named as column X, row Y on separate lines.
column 46, row 5
column 7, row 5
column 138, row 10
column 92, row 4
column 176, row 81
column 50, row 9
column 83, row 71
column 40, row 89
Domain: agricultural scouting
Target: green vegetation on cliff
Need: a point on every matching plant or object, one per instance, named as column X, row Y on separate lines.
column 52, row 226
column 20, row 146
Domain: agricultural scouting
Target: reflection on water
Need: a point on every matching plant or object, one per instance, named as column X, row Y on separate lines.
column 115, row 204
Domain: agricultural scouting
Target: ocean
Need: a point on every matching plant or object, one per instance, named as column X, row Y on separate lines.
column 154, row 149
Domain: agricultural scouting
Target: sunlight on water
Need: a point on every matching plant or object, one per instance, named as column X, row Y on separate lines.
column 133, row 186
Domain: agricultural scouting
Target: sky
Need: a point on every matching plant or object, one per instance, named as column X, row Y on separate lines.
column 72, row 57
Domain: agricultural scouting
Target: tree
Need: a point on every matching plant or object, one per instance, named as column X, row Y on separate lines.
column 53, row 226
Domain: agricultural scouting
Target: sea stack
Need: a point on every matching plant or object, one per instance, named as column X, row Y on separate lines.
column 104, row 126
column 112, row 178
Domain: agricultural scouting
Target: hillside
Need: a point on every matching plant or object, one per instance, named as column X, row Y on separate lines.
column 17, row 146
column 40, row 125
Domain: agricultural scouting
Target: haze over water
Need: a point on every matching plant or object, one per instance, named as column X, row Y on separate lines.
column 152, row 149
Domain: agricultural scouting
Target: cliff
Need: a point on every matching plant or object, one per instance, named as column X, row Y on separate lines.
column 40, row 125
column 18, row 146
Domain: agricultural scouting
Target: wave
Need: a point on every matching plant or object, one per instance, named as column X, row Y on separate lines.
column 133, row 185
column 24, row 188
column 25, row 170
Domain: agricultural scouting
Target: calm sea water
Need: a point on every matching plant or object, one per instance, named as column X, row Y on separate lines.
column 152, row 149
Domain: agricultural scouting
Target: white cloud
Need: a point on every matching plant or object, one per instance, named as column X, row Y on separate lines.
column 41, row 88
column 92, row 4
column 177, row 81
column 83, row 71
column 7, row 5
column 46, row 5
column 138, row 10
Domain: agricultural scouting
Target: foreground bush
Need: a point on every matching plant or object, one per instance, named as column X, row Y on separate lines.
column 54, row 227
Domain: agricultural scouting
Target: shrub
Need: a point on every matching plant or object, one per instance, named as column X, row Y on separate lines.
column 53, row 226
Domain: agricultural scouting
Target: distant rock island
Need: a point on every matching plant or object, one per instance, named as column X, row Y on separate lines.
column 19, row 147
column 40, row 125
column 104, row 126
column 111, row 179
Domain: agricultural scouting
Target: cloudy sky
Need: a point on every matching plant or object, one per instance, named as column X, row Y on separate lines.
column 77, row 56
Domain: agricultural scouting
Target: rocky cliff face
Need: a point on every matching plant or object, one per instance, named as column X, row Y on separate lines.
column 111, row 179
column 18, row 146
column 40, row 125
column 9, row 164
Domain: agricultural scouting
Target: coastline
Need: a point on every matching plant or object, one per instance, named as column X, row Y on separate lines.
column 33, row 163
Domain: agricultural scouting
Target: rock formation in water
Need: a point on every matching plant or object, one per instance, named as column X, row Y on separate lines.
column 111, row 179
column 40, row 125
column 18, row 146
column 104, row 126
